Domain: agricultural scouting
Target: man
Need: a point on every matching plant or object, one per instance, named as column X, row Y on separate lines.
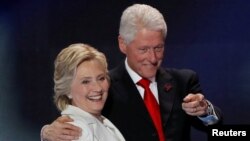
column 179, row 98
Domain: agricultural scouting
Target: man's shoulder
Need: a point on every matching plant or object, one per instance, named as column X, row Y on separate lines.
column 117, row 71
column 181, row 72
column 186, row 78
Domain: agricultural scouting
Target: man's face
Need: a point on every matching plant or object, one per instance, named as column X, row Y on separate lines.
column 145, row 52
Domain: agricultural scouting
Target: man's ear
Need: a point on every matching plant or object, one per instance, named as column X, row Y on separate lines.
column 122, row 45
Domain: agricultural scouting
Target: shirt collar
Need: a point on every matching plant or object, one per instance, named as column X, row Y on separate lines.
column 134, row 76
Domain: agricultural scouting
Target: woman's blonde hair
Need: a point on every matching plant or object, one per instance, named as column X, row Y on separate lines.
column 66, row 64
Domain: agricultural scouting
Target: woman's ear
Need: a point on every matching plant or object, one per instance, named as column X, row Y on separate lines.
column 122, row 45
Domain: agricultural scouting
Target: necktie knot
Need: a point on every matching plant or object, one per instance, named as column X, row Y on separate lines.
column 144, row 83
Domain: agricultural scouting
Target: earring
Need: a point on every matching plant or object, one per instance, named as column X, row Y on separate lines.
column 69, row 96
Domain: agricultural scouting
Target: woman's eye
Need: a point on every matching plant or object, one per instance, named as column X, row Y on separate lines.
column 102, row 78
column 85, row 82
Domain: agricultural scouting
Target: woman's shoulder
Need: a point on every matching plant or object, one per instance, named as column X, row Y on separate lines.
column 87, row 133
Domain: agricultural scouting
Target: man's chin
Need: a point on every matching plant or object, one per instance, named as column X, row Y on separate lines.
column 149, row 75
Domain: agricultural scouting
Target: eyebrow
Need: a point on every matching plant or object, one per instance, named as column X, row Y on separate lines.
column 88, row 77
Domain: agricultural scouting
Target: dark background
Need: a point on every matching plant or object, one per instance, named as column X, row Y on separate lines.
column 208, row 36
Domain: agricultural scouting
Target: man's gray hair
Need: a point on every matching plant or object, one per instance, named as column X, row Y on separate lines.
column 141, row 16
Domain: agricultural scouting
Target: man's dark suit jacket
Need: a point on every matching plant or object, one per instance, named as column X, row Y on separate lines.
column 126, row 109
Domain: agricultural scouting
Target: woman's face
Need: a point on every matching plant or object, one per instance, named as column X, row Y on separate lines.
column 89, row 88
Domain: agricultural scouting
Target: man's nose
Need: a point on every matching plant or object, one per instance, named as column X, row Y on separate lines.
column 152, row 55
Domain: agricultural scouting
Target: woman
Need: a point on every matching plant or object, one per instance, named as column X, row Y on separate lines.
column 81, row 89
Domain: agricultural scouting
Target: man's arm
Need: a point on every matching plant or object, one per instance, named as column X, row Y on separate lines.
column 60, row 130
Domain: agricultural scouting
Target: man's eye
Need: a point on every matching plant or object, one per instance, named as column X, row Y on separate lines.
column 143, row 50
column 158, row 49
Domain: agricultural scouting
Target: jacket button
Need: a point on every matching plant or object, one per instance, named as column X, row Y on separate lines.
column 154, row 134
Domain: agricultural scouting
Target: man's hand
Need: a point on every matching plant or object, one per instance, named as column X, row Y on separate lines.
column 61, row 130
column 195, row 104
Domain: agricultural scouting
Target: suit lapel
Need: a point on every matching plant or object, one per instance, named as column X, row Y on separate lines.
column 97, row 132
column 166, row 92
column 131, row 94
column 101, row 132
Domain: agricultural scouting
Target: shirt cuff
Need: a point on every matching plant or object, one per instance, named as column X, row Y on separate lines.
column 211, row 117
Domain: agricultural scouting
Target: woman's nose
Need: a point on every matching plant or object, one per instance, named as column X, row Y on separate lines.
column 97, row 86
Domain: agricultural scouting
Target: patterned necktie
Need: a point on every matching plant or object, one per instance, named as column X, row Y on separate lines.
column 153, row 107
